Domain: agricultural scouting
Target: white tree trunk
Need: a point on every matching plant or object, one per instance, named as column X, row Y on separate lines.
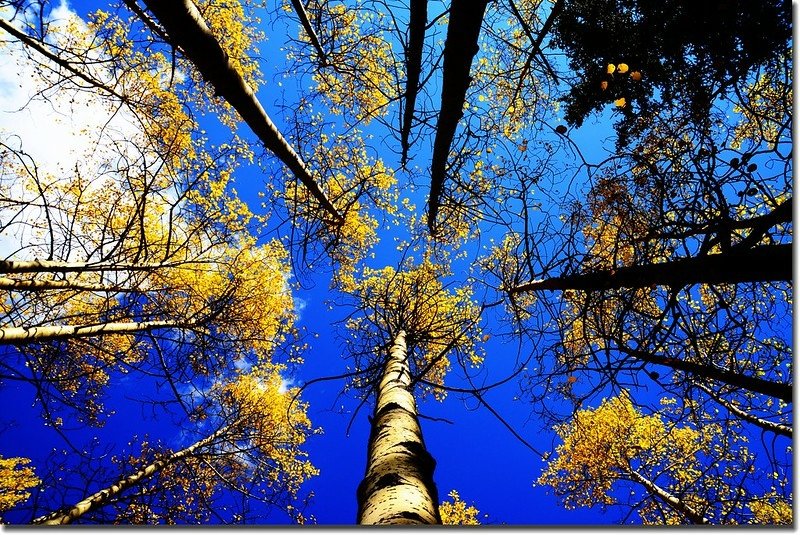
column 668, row 498
column 102, row 497
column 29, row 335
column 398, row 487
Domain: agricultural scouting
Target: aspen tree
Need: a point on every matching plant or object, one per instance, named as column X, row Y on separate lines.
column 266, row 432
column 424, row 324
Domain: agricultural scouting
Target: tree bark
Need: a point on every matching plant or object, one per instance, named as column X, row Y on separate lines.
column 418, row 18
column 765, row 263
column 17, row 285
column 187, row 29
column 103, row 497
column 55, row 266
column 668, row 498
column 782, row 391
column 31, row 335
column 398, row 487
column 460, row 47
column 302, row 14
column 778, row 429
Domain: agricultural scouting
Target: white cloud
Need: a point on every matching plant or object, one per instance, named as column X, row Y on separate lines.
column 64, row 130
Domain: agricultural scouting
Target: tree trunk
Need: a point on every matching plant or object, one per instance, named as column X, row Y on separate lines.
column 17, row 285
column 760, row 264
column 460, row 47
column 302, row 14
column 782, row 391
column 55, row 266
column 777, row 428
column 103, row 497
column 187, row 29
column 671, row 500
column 398, row 487
column 30, row 335
column 418, row 18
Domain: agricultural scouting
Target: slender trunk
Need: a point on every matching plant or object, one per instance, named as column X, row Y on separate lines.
column 55, row 266
column 778, row 429
column 418, row 18
column 302, row 14
column 671, row 500
column 782, row 391
column 40, row 285
column 103, row 497
column 187, row 29
column 460, row 47
column 31, row 335
column 760, row 264
column 398, row 487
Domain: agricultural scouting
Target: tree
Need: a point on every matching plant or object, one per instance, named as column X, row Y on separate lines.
column 461, row 46
column 656, row 269
column 700, row 53
column 615, row 442
column 142, row 247
column 187, row 30
column 398, row 487
column 261, row 442
column 423, row 323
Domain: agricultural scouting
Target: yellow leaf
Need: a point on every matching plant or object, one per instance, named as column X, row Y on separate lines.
column 622, row 68
column 611, row 68
column 620, row 102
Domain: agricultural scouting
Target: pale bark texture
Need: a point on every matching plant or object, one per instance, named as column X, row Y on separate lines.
column 30, row 335
column 103, row 497
column 398, row 487
column 55, row 266
column 777, row 428
column 187, row 30
column 668, row 498
column 7, row 283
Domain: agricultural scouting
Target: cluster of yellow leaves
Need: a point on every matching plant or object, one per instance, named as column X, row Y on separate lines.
column 145, row 79
column 436, row 320
column 354, row 182
column 606, row 444
column 276, row 422
column 359, row 74
column 771, row 510
column 237, row 32
column 242, row 291
column 15, row 480
column 767, row 109
column 508, row 102
column 614, row 227
column 457, row 512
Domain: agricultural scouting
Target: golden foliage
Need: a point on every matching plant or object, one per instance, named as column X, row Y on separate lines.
column 359, row 74
column 457, row 512
column 436, row 320
column 766, row 109
column 15, row 480
column 771, row 510
column 274, row 422
column 603, row 445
